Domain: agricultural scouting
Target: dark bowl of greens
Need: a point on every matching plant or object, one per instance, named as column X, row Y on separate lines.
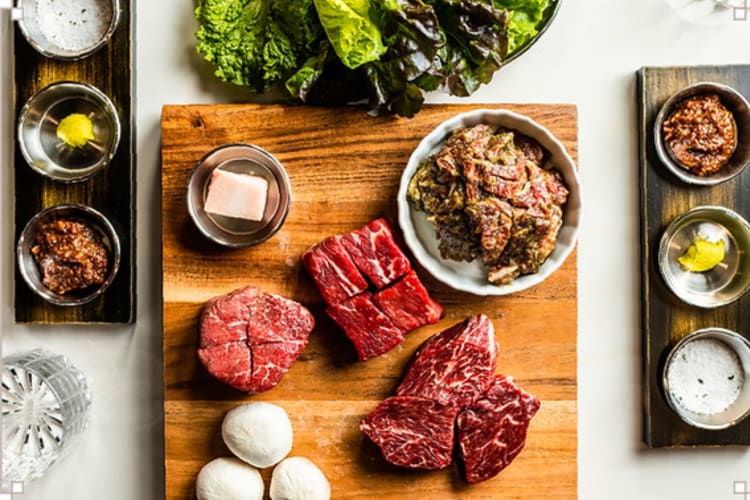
column 384, row 53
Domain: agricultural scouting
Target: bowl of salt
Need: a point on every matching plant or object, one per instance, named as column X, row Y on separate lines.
column 706, row 378
column 67, row 29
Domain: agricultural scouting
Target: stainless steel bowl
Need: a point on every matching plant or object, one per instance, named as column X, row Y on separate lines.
column 29, row 270
column 245, row 159
column 33, row 26
column 37, row 131
column 724, row 283
column 737, row 104
column 740, row 408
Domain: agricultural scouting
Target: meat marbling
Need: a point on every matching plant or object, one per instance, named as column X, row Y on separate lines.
column 492, row 431
column 413, row 432
column 456, row 366
column 249, row 339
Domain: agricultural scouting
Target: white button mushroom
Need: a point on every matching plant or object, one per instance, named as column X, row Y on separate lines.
column 297, row 478
column 258, row 433
column 228, row 479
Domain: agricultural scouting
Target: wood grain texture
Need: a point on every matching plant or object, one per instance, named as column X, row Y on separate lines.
column 112, row 191
column 665, row 319
column 345, row 168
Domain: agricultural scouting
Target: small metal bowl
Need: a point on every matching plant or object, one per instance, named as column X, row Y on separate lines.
column 740, row 408
column 721, row 285
column 36, row 18
column 29, row 270
column 37, row 131
column 245, row 159
column 734, row 102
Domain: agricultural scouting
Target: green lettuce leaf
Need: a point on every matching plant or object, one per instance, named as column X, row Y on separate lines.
column 257, row 43
column 352, row 30
column 525, row 16
column 476, row 44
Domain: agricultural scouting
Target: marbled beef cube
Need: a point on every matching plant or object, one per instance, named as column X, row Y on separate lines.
column 413, row 432
column 376, row 253
column 492, row 431
column 408, row 304
column 333, row 270
column 370, row 329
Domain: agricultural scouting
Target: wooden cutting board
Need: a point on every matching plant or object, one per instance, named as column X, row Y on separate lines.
column 345, row 168
column 665, row 318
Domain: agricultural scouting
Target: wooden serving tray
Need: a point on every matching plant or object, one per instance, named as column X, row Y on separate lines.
column 666, row 319
column 112, row 191
column 345, row 168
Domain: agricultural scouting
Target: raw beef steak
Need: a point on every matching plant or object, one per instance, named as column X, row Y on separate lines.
column 338, row 265
column 408, row 304
column 249, row 339
column 492, row 431
column 456, row 366
column 376, row 253
column 371, row 331
column 412, row 432
column 333, row 270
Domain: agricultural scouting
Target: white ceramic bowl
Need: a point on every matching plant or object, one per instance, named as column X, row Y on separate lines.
column 472, row 276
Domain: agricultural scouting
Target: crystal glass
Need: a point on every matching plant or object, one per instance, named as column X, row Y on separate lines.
column 45, row 407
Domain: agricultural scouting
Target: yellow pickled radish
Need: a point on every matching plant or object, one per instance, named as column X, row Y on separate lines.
column 703, row 255
column 75, row 130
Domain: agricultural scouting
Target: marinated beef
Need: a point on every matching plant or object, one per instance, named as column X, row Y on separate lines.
column 249, row 339
column 492, row 430
column 456, row 366
column 413, row 432
column 488, row 192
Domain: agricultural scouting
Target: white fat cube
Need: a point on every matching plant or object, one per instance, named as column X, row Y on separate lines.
column 237, row 195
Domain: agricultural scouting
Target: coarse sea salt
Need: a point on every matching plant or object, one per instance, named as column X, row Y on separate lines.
column 705, row 376
column 74, row 25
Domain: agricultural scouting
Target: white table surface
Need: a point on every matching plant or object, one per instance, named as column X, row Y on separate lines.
column 588, row 57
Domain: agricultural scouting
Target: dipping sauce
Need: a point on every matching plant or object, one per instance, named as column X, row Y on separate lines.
column 70, row 255
column 701, row 134
column 705, row 376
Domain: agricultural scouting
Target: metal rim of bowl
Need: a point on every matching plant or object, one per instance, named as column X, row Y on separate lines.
column 91, row 214
column 661, row 149
column 664, row 241
column 282, row 178
column 86, row 88
column 73, row 56
column 709, row 332
column 548, row 16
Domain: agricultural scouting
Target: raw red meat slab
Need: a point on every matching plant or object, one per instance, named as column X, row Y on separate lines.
column 408, row 304
column 371, row 331
column 412, row 432
column 224, row 318
column 492, row 431
column 333, row 271
column 376, row 253
column 456, row 366
column 249, row 339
